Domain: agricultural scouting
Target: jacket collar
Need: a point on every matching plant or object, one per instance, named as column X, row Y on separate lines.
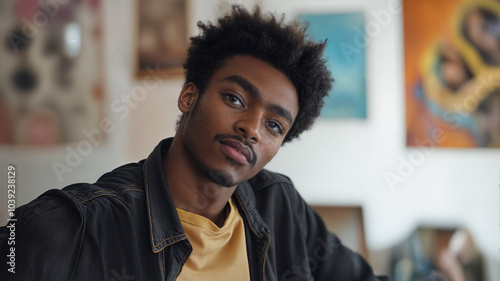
column 244, row 195
column 164, row 224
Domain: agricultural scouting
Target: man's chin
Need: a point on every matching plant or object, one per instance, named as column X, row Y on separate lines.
column 221, row 178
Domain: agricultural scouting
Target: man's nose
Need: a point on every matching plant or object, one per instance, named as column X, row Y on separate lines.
column 249, row 126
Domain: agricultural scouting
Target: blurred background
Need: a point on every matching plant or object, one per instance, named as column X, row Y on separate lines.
column 407, row 146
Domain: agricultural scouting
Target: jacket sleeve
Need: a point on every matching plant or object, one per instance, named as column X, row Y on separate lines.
column 47, row 238
column 328, row 258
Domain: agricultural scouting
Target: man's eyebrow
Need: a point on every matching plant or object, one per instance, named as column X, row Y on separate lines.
column 246, row 85
column 255, row 93
column 282, row 112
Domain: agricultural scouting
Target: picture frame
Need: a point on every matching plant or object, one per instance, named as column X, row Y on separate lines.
column 53, row 84
column 452, row 73
column 161, row 37
column 346, row 58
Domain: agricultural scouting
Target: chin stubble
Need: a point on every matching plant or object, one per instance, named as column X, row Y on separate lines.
column 221, row 178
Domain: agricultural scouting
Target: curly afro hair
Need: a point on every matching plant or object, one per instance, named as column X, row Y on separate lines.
column 284, row 46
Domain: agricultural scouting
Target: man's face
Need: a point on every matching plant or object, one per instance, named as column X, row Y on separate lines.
column 239, row 123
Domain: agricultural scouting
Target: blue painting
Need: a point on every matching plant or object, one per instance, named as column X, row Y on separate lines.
column 345, row 52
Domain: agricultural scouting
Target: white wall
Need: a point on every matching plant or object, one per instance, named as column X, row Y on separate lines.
column 338, row 162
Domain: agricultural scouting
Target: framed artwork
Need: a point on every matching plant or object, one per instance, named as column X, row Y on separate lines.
column 345, row 51
column 452, row 65
column 433, row 253
column 51, row 85
column 347, row 222
column 162, row 38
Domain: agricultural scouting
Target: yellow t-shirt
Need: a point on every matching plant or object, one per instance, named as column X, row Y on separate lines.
column 218, row 253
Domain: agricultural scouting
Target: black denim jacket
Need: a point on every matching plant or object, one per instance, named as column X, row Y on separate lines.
column 125, row 227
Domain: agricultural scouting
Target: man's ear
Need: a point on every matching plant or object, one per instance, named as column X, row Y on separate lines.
column 188, row 97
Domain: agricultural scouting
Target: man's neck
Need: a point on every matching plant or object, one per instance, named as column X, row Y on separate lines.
column 191, row 190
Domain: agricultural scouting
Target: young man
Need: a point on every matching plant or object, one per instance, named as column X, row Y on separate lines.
column 201, row 207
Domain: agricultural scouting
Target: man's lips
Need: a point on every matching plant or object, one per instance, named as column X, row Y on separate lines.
column 237, row 151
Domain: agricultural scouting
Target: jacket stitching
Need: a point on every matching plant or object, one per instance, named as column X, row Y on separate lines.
column 156, row 250
column 183, row 260
column 88, row 195
column 109, row 194
column 149, row 204
column 161, row 242
column 268, row 242
column 162, row 267
column 248, row 218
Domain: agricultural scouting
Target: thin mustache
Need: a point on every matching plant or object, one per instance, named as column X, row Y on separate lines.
column 240, row 139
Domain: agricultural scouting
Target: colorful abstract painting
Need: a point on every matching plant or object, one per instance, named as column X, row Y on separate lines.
column 452, row 64
column 345, row 51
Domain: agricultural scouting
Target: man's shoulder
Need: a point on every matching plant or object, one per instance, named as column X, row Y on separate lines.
column 113, row 184
column 266, row 178
column 121, row 187
column 128, row 174
column 54, row 224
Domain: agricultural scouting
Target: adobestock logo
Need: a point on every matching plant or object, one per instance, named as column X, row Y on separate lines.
column 123, row 276
column 416, row 158
column 455, row 117
column 309, row 264
column 373, row 28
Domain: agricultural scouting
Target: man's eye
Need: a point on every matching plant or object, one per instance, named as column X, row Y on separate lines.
column 275, row 127
column 233, row 99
